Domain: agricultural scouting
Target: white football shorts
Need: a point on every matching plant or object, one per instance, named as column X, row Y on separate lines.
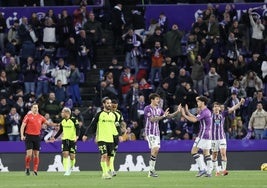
column 153, row 141
column 216, row 145
column 202, row 143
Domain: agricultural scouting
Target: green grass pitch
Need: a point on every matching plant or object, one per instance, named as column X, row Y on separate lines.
column 90, row 179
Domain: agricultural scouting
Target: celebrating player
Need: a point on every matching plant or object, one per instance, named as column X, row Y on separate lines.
column 203, row 140
column 30, row 132
column 103, row 124
column 218, row 135
column 69, row 126
column 153, row 114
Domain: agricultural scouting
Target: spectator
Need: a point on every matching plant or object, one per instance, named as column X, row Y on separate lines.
column 213, row 27
column 36, row 24
column 51, row 106
column 162, row 91
column 151, row 29
column 29, row 72
column 241, row 93
column 238, row 67
column 236, row 114
column 74, row 81
column 93, row 29
column 251, row 83
column 137, row 20
column 180, row 94
column 116, row 69
column 13, row 34
column 240, row 131
column 197, row 74
column 222, row 69
column 264, row 76
column 255, row 64
column 157, row 55
column 20, row 106
column 210, row 82
column 65, row 28
column 61, row 72
column 163, row 22
column 26, row 33
column 257, row 42
column 3, row 135
column 255, row 100
column 168, row 67
column 4, row 83
column 199, row 28
column 13, row 121
column 126, row 81
column 258, row 121
column 13, row 72
column 80, row 16
column 3, row 28
column 156, row 37
column 131, row 41
column 117, row 24
column 220, row 93
column 190, row 98
column 172, row 82
column 4, row 106
column 44, row 69
column 61, row 93
column 49, row 34
column 173, row 42
column 184, row 76
column 83, row 46
column 132, row 97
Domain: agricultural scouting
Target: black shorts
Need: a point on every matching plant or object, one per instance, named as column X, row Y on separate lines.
column 33, row 142
column 106, row 148
column 69, row 145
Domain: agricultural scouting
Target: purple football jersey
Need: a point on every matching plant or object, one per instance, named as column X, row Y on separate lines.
column 204, row 117
column 217, row 132
column 152, row 128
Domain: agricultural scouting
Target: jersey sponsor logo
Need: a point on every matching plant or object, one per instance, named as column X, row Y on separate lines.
column 57, row 166
column 130, row 166
column 2, row 167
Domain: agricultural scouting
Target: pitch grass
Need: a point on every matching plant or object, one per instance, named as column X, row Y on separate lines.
column 90, row 179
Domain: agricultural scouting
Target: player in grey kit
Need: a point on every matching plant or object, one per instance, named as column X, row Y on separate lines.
column 153, row 113
column 203, row 140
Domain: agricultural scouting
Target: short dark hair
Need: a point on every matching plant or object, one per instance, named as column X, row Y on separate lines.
column 152, row 96
column 203, row 99
column 216, row 103
column 114, row 101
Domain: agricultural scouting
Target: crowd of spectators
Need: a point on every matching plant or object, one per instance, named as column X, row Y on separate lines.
column 220, row 57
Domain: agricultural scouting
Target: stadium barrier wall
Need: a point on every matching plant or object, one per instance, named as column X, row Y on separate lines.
column 183, row 15
column 134, row 156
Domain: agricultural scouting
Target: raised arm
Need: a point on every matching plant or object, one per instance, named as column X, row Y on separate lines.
column 233, row 108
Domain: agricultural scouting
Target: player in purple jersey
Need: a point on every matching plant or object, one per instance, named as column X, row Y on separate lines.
column 218, row 135
column 153, row 114
column 203, row 140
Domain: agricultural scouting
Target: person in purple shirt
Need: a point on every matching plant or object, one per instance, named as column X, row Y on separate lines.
column 203, row 140
column 153, row 113
column 218, row 135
